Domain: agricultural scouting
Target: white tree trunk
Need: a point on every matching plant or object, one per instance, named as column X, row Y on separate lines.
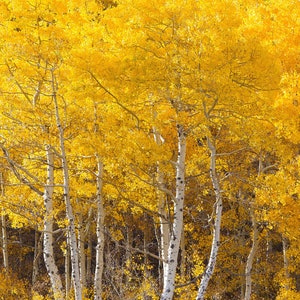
column 49, row 259
column 162, row 210
column 4, row 242
column 176, row 233
column 251, row 256
column 69, row 209
column 100, row 234
column 3, row 229
column 217, row 224
column 164, row 225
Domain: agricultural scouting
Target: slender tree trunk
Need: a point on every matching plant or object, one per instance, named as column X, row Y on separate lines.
column 69, row 209
column 183, row 258
column 49, row 259
column 3, row 229
column 162, row 211
column 254, row 247
column 251, row 256
column 100, row 234
column 164, row 224
column 81, row 242
column 67, row 269
column 89, row 260
column 176, row 233
column 4, row 242
column 285, row 262
column 217, row 225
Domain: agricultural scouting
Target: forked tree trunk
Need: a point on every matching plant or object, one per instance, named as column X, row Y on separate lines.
column 217, row 224
column 49, row 259
column 66, row 190
column 100, row 234
column 176, row 233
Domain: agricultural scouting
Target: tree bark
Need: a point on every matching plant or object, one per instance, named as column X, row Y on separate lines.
column 285, row 262
column 164, row 223
column 3, row 229
column 217, row 224
column 176, row 233
column 4, row 242
column 66, row 189
column 100, row 234
column 251, row 255
column 67, row 269
column 162, row 211
column 49, row 259
column 38, row 251
column 82, row 258
column 89, row 276
column 255, row 241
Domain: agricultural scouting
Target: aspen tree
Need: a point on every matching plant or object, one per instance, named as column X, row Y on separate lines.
column 99, row 232
column 177, row 225
column 72, row 239
column 48, row 252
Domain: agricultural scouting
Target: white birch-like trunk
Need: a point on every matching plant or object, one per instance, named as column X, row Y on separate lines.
column 176, row 233
column 162, row 211
column 164, row 225
column 66, row 190
column 217, row 224
column 251, row 256
column 4, row 242
column 100, row 234
column 3, row 229
column 49, row 259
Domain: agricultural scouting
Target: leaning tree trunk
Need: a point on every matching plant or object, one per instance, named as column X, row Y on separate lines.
column 176, row 233
column 100, row 234
column 49, row 259
column 217, row 225
column 66, row 190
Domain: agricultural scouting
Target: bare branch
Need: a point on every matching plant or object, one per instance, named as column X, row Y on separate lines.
column 115, row 98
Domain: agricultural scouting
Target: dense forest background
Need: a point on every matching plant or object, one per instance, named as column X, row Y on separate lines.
column 149, row 149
